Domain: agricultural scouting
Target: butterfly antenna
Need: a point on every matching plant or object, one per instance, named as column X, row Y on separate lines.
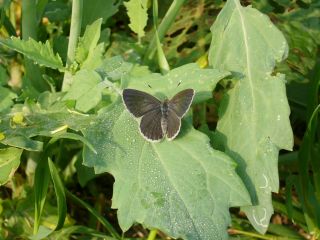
column 179, row 83
column 149, row 86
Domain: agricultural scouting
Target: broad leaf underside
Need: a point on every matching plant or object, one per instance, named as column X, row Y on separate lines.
column 254, row 122
column 182, row 187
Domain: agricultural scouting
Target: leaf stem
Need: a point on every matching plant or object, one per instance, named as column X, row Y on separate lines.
column 75, row 30
column 152, row 234
column 163, row 28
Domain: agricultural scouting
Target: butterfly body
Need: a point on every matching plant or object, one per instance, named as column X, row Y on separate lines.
column 164, row 117
column 158, row 118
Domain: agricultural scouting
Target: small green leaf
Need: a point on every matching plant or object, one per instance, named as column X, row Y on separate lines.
column 40, row 53
column 6, row 99
column 9, row 162
column 137, row 12
column 86, row 89
column 89, row 41
column 21, row 141
column 254, row 116
column 95, row 58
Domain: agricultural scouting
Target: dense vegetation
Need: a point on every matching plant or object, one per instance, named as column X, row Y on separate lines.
column 246, row 162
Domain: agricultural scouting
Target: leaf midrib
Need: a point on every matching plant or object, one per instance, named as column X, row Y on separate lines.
column 248, row 68
column 179, row 194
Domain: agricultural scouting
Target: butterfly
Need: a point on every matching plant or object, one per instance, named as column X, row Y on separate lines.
column 158, row 118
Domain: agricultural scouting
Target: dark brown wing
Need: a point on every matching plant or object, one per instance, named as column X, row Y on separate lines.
column 139, row 103
column 150, row 125
column 173, row 125
column 181, row 102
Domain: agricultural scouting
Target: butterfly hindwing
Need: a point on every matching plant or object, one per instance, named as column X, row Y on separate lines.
column 181, row 102
column 139, row 103
column 173, row 125
column 150, row 125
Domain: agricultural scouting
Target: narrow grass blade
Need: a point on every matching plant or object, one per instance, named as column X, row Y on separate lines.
column 94, row 212
column 41, row 183
column 60, row 194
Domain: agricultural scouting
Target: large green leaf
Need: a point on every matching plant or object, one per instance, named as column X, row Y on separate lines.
column 137, row 12
column 9, row 162
column 183, row 187
column 254, row 119
column 40, row 53
column 166, row 86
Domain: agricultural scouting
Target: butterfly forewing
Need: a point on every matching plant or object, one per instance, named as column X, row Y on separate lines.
column 181, row 102
column 173, row 125
column 139, row 103
column 150, row 125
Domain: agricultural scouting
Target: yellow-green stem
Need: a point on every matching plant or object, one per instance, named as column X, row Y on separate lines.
column 152, row 234
column 75, row 29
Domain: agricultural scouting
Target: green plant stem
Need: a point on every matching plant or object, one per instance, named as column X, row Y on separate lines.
column 29, row 20
column 163, row 28
column 152, row 234
column 12, row 16
column 250, row 234
column 75, row 30
column 162, row 61
column 95, row 213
